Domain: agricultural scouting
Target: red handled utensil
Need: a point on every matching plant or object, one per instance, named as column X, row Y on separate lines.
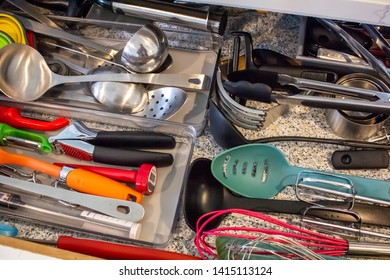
column 112, row 251
column 12, row 117
column 145, row 178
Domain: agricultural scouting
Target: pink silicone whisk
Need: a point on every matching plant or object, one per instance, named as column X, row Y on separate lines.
column 318, row 243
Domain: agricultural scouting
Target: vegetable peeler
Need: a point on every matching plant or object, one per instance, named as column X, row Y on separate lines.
column 10, row 135
column 12, row 116
column 113, row 147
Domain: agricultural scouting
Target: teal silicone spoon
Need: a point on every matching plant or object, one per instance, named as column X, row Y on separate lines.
column 262, row 171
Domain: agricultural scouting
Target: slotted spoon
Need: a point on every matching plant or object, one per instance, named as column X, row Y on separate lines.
column 262, row 171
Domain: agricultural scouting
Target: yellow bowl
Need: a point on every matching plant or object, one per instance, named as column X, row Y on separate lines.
column 11, row 26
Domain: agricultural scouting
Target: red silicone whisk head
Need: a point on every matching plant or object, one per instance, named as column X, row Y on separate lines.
column 275, row 230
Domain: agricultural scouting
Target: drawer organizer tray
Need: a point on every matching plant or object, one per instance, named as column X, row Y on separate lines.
column 160, row 208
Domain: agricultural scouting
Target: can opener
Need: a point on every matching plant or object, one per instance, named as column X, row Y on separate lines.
column 113, row 147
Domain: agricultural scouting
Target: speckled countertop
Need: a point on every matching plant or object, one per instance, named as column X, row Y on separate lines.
column 280, row 33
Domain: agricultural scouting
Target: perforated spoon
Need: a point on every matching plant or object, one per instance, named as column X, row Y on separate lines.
column 26, row 76
column 262, row 171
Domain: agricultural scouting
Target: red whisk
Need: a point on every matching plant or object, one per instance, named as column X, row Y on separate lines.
column 318, row 243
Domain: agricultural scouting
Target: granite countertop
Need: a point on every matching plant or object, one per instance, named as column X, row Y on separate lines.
column 274, row 31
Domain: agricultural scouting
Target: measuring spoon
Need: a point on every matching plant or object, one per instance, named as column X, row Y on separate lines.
column 26, row 75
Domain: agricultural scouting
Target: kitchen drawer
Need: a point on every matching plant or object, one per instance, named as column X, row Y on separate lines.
column 309, row 58
column 161, row 207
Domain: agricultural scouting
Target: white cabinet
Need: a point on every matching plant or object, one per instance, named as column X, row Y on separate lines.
column 368, row 11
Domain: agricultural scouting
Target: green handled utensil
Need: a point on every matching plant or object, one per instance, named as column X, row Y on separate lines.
column 9, row 134
column 262, row 171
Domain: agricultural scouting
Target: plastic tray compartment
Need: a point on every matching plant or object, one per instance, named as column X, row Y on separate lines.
column 192, row 52
column 161, row 207
column 310, row 60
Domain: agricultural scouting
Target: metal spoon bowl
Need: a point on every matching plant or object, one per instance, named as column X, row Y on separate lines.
column 160, row 103
column 117, row 96
column 146, row 50
column 26, row 75
column 163, row 103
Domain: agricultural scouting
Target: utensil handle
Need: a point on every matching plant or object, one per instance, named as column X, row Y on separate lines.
column 274, row 79
column 34, row 164
column 173, row 13
column 92, row 183
column 258, row 91
column 33, row 12
column 350, row 104
column 114, row 251
column 368, row 249
column 105, row 205
column 186, row 81
column 366, row 189
column 303, row 72
column 43, row 29
column 12, row 116
column 360, row 159
column 130, row 157
column 122, row 175
column 136, row 139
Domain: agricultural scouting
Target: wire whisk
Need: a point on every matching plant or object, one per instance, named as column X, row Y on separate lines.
column 277, row 239
column 265, row 247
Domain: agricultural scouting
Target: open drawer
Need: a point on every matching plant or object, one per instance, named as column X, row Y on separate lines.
column 160, row 208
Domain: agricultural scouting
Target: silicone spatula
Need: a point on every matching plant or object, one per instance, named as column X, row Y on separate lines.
column 262, row 171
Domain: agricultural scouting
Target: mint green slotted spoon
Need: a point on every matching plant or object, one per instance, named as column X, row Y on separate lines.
column 262, row 171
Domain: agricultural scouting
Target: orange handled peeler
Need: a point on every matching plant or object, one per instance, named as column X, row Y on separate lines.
column 76, row 178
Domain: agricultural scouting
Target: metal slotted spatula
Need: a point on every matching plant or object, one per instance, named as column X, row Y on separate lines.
column 262, row 171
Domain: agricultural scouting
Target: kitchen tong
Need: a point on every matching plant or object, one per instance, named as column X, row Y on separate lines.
column 256, row 84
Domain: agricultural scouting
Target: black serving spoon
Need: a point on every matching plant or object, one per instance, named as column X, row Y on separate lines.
column 203, row 193
column 228, row 136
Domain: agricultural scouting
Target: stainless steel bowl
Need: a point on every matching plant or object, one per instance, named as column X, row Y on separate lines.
column 353, row 124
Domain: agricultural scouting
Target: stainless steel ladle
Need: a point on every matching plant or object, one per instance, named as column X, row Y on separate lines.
column 123, row 97
column 146, row 50
column 26, row 76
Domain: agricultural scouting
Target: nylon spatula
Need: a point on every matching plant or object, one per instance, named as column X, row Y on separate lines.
column 262, row 171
